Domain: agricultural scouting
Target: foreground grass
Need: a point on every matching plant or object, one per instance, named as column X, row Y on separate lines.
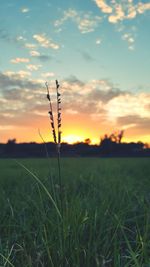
column 106, row 213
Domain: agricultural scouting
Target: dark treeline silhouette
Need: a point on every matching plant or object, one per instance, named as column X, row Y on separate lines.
column 110, row 146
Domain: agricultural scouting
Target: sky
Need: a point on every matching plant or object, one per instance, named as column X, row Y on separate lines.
column 99, row 52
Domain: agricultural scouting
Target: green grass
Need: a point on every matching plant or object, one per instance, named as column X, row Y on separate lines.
column 106, row 213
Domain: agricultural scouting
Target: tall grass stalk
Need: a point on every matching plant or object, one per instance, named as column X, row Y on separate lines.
column 57, row 141
column 50, row 169
column 43, row 186
column 56, row 137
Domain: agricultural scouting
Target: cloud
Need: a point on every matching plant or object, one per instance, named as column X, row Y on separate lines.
column 147, row 106
column 43, row 41
column 20, row 38
column 87, row 57
column 86, row 22
column 142, row 7
column 104, row 96
column 129, row 104
column 98, row 41
column 118, row 16
column 19, row 60
column 134, row 121
column 23, row 101
column 34, row 53
column 131, row 12
column 44, row 58
column 18, row 96
column 6, row 127
column 48, row 74
column 73, row 80
column 124, row 10
column 21, row 74
column 5, row 36
column 32, row 67
column 41, row 57
column 103, row 6
column 78, row 96
column 9, row 37
column 117, row 12
column 25, row 10
column 88, row 98
column 129, row 38
column 20, row 79
column 67, row 14
column 30, row 46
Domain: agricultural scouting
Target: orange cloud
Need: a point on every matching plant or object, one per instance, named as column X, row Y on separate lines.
column 89, row 110
column 19, row 60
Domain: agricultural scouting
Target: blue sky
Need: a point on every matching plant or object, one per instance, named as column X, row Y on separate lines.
column 99, row 51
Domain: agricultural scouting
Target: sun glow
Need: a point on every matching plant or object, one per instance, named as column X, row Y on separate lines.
column 72, row 138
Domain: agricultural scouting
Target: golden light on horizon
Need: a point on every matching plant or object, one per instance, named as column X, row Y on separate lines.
column 72, row 138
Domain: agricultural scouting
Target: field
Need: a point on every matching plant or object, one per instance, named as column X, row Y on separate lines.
column 103, row 219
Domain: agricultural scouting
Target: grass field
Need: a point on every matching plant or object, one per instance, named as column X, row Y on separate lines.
column 105, row 219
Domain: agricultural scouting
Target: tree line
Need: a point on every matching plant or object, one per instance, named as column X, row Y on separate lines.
column 110, row 145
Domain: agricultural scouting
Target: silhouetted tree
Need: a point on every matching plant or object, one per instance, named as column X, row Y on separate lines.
column 116, row 136
column 109, row 143
column 10, row 146
column 146, row 146
column 87, row 141
column 120, row 136
column 11, row 141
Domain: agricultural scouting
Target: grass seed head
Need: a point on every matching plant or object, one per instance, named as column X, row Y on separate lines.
column 56, row 138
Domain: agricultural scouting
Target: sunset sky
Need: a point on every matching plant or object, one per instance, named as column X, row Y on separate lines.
column 100, row 53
